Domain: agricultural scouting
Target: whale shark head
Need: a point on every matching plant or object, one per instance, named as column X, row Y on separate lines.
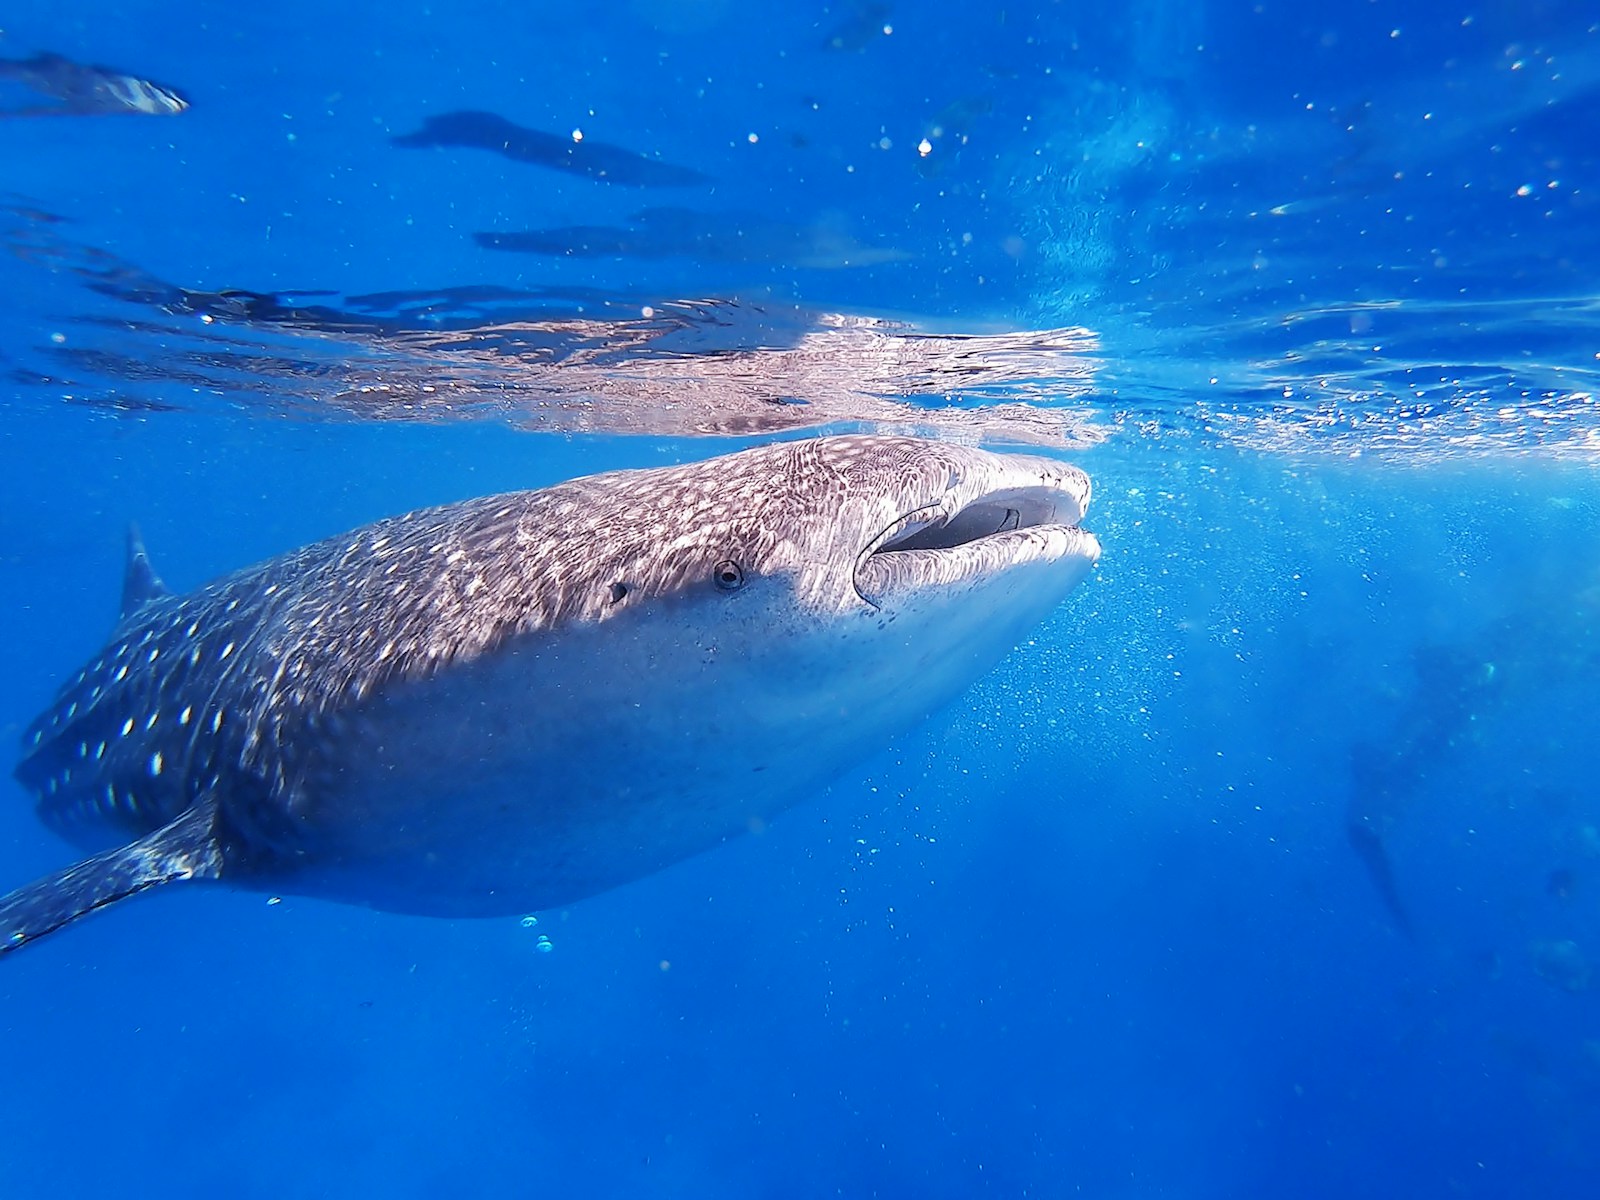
column 829, row 529
column 820, row 569
column 517, row 701
column 862, row 555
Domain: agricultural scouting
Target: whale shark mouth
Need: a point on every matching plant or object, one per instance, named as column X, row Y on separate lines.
column 948, row 541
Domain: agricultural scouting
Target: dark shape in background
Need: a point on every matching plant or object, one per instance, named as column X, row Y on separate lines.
column 1562, row 964
column 1367, row 842
column 1560, row 883
column 862, row 24
column 559, row 152
column 1455, row 687
column 657, row 233
column 1452, row 682
column 87, row 91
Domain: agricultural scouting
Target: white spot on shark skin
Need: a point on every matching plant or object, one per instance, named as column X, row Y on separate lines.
column 183, row 717
column 226, row 650
column 127, row 727
column 216, row 720
column 122, row 673
column 155, row 763
column 100, row 751
column 194, row 627
column 150, row 721
column 155, row 653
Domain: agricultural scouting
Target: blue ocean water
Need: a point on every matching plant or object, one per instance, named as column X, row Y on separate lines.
column 1270, row 865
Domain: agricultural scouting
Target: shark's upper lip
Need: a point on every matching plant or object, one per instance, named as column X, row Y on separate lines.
column 1026, row 511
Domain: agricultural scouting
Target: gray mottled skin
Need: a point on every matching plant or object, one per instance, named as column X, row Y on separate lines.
column 516, row 701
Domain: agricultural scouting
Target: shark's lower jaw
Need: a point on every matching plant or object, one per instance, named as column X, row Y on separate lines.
column 889, row 576
column 1029, row 518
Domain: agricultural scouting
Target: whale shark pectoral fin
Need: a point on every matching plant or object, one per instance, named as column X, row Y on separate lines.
column 187, row 848
column 140, row 583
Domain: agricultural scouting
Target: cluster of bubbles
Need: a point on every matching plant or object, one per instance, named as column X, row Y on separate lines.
column 543, row 945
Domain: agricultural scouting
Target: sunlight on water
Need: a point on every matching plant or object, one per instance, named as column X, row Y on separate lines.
column 1342, row 379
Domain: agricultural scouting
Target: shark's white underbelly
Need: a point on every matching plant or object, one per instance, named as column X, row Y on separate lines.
column 556, row 772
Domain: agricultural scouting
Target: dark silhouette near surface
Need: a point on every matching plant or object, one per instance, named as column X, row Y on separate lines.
column 658, row 233
column 559, row 152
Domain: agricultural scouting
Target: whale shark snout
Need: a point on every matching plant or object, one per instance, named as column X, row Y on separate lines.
column 998, row 513
column 521, row 700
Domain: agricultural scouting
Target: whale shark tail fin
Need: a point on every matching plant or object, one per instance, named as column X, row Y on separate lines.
column 187, row 848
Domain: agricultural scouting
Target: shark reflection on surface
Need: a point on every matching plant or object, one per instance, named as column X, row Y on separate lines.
column 80, row 90
column 567, row 359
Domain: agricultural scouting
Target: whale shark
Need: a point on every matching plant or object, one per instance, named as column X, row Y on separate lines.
column 513, row 702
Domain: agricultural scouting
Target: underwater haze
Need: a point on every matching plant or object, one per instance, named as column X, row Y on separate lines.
column 1269, row 865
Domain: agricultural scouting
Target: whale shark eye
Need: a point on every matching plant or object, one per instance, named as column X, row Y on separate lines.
column 729, row 575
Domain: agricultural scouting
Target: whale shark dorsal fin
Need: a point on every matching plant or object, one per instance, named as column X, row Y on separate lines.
column 186, row 848
column 140, row 583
